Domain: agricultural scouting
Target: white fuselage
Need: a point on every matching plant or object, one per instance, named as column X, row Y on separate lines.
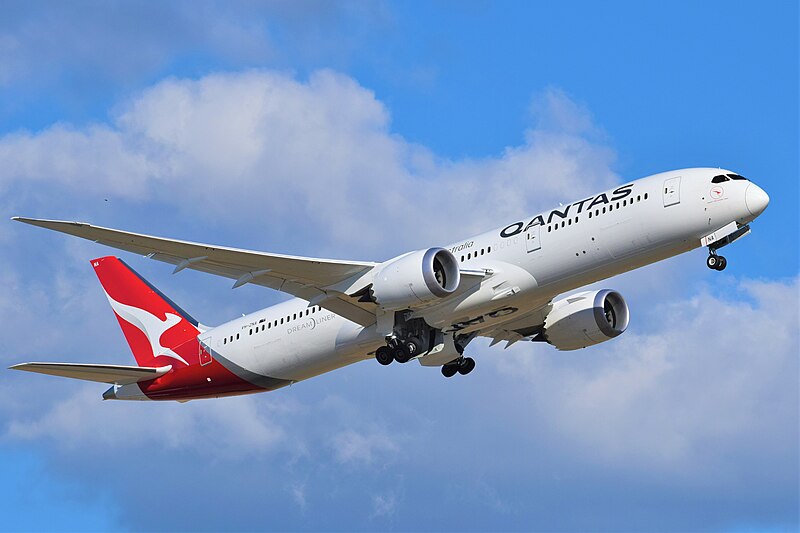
column 529, row 262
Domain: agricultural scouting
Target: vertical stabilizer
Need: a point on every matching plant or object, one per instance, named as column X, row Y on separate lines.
column 158, row 331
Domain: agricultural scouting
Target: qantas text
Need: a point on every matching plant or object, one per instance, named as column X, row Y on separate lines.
column 518, row 227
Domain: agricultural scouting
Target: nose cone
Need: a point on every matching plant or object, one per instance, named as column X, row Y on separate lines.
column 756, row 199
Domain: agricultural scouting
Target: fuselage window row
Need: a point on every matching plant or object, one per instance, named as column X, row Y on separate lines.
column 476, row 253
column 270, row 325
column 594, row 214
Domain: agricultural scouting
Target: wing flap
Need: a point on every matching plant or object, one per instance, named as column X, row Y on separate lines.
column 112, row 374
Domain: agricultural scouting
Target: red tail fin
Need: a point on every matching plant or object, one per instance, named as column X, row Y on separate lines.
column 158, row 331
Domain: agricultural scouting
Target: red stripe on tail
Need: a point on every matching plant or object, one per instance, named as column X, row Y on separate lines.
column 158, row 332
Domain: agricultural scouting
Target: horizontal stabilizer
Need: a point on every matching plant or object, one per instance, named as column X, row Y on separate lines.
column 119, row 374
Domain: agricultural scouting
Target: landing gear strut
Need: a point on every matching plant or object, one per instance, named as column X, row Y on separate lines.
column 716, row 262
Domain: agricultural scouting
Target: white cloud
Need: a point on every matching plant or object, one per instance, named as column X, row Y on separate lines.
column 94, row 161
column 119, row 43
column 298, row 492
column 356, row 447
column 228, row 430
column 715, row 379
column 317, row 158
column 384, row 505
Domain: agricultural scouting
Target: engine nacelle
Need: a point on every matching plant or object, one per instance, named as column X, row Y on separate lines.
column 416, row 278
column 586, row 318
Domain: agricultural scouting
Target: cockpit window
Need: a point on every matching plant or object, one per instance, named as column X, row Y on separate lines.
column 719, row 179
column 736, row 177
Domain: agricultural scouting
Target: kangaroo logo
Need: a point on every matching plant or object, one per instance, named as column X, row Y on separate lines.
column 149, row 324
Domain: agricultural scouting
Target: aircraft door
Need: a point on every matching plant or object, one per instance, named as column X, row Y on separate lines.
column 532, row 238
column 672, row 191
column 204, row 347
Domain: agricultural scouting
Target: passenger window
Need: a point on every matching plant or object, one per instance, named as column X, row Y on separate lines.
column 645, row 196
column 604, row 210
column 237, row 336
column 225, row 340
column 489, row 250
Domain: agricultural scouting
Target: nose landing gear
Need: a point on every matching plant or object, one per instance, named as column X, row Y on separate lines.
column 716, row 262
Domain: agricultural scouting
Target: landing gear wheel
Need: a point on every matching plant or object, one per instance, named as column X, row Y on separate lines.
column 413, row 347
column 466, row 366
column 712, row 262
column 449, row 370
column 401, row 354
column 384, row 355
column 721, row 263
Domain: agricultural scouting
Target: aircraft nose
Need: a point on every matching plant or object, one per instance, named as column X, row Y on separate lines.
column 756, row 199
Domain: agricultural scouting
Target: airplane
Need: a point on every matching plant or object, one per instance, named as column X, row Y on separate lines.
column 425, row 305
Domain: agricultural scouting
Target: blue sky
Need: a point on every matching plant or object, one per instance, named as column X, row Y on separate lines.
column 362, row 130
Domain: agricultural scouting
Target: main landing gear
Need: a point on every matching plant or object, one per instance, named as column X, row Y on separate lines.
column 398, row 350
column 415, row 339
column 462, row 365
column 716, row 262
column 403, row 351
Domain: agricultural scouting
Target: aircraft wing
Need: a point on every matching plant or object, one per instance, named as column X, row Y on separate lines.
column 121, row 375
column 323, row 282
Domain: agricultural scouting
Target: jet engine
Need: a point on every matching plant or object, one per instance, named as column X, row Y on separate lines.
column 586, row 318
column 415, row 278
